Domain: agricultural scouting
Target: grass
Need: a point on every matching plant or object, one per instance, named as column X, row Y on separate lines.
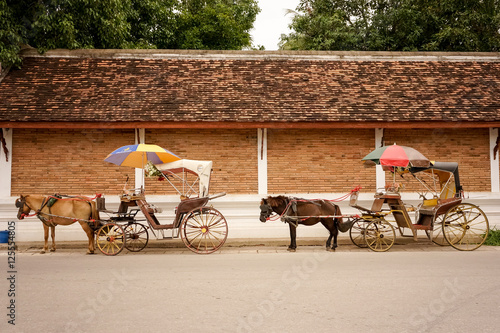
column 493, row 237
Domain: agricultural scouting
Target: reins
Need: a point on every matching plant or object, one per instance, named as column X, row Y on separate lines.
column 291, row 201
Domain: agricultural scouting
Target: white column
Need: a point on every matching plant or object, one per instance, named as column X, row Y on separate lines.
column 6, row 164
column 380, row 174
column 494, row 160
column 262, row 159
column 140, row 137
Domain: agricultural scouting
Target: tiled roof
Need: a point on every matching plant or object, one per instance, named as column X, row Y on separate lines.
column 244, row 88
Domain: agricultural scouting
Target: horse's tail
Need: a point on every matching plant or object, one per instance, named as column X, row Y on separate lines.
column 338, row 213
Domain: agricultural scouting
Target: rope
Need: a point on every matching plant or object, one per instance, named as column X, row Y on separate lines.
column 64, row 217
column 75, row 198
column 341, row 198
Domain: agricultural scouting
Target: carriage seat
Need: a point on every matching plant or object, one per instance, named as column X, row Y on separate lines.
column 438, row 206
column 353, row 202
column 376, row 206
column 101, row 207
column 188, row 205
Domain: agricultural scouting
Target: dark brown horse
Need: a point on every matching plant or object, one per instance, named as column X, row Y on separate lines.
column 63, row 212
column 301, row 211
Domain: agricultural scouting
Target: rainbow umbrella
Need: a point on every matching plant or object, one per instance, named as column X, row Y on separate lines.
column 397, row 156
column 137, row 156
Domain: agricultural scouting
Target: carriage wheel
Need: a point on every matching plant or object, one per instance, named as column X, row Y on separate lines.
column 465, row 227
column 204, row 230
column 357, row 233
column 110, row 239
column 137, row 237
column 380, row 235
column 437, row 233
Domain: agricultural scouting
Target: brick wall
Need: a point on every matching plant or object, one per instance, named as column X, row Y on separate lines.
column 468, row 147
column 299, row 161
column 71, row 161
column 233, row 152
column 67, row 161
column 315, row 161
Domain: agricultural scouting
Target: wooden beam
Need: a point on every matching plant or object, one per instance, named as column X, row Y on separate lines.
column 245, row 125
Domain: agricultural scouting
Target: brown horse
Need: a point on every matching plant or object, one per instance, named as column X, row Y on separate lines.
column 301, row 211
column 52, row 211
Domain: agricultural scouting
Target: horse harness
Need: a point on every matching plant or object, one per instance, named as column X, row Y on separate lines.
column 48, row 202
column 291, row 205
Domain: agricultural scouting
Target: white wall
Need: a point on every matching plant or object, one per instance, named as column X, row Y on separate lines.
column 240, row 211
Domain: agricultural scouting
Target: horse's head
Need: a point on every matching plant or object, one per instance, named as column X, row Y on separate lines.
column 265, row 210
column 24, row 208
column 272, row 205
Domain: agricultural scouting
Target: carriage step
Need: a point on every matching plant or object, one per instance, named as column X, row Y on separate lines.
column 422, row 227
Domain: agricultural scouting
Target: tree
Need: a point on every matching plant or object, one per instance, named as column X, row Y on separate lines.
column 215, row 24
column 396, row 25
column 72, row 24
column 11, row 36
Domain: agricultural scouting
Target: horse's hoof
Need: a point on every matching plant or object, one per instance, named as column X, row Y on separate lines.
column 329, row 249
column 42, row 252
column 90, row 252
column 52, row 250
column 291, row 250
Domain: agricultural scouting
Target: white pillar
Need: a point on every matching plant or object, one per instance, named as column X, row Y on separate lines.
column 494, row 160
column 6, row 164
column 262, row 159
column 140, row 137
column 379, row 173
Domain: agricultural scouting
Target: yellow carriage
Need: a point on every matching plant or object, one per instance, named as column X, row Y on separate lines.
column 442, row 215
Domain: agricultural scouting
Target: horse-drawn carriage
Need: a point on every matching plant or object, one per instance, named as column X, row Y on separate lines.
column 202, row 228
column 442, row 215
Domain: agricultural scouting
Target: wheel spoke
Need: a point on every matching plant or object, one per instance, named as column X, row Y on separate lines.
column 466, row 227
column 204, row 230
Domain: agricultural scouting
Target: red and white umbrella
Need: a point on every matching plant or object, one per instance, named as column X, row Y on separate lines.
column 397, row 156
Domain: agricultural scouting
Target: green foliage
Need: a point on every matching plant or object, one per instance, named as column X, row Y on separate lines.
column 215, row 24
column 395, row 25
column 72, row 24
column 493, row 238
column 10, row 36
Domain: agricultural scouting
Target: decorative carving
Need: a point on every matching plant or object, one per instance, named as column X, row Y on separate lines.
column 495, row 149
column 6, row 151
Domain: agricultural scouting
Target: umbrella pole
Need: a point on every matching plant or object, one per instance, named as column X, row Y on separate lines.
column 143, row 183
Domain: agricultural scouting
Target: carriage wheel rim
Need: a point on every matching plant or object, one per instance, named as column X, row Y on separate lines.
column 137, row 237
column 357, row 233
column 466, row 227
column 380, row 235
column 110, row 239
column 204, row 230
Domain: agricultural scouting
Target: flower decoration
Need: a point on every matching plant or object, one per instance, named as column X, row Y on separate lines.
column 151, row 171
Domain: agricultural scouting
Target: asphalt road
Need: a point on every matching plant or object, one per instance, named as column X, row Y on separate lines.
column 255, row 289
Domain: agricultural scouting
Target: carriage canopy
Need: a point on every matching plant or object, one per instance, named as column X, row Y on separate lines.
column 443, row 170
column 201, row 169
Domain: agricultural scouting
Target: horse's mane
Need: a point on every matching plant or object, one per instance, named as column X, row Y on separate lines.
column 276, row 201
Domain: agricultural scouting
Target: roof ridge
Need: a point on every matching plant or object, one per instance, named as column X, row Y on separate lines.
column 266, row 55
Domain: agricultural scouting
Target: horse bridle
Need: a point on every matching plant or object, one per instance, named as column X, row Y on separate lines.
column 21, row 203
column 265, row 211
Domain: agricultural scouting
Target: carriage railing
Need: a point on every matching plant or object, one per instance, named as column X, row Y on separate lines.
column 187, row 189
column 438, row 189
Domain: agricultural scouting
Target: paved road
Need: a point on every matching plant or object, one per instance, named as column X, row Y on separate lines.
column 417, row 288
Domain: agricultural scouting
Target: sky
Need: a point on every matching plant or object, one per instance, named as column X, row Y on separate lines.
column 272, row 22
